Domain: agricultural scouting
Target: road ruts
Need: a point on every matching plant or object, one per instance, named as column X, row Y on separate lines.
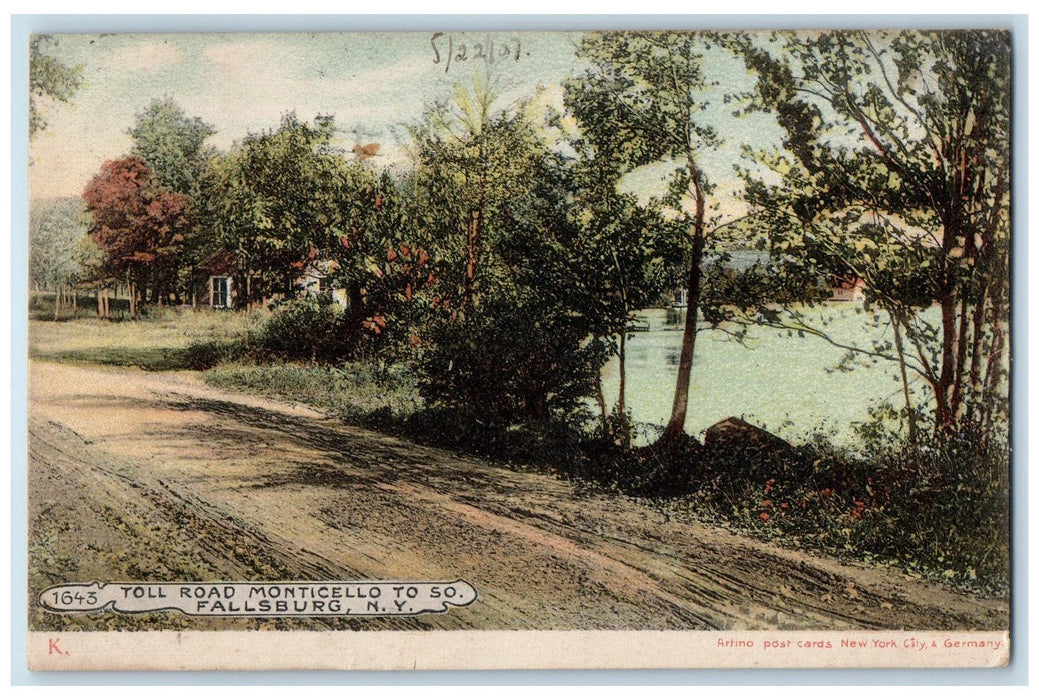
column 155, row 476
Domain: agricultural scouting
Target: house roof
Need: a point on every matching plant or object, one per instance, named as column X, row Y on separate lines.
column 222, row 262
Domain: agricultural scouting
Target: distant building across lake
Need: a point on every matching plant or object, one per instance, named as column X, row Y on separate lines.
column 739, row 261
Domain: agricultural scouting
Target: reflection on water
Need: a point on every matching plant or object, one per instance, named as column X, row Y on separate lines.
column 785, row 383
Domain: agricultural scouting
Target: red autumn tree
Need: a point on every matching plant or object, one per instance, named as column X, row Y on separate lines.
column 138, row 227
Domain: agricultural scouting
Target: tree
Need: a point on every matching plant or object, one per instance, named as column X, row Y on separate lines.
column 623, row 254
column 55, row 227
column 137, row 225
column 506, row 341
column 520, row 350
column 473, row 160
column 896, row 171
column 648, row 92
column 273, row 202
column 370, row 252
column 50, row 79
column 173, row 146
column 91, row 261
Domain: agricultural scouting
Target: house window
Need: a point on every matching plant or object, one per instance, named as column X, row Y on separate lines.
column 219, row 294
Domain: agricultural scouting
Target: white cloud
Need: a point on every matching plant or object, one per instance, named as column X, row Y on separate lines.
column 243, row 83
column 153, row 55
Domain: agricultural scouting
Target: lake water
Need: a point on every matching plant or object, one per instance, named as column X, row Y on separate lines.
column 790, row 385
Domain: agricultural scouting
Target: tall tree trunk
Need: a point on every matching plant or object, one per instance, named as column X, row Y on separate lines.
column 974, row 378
column 57, row 302
column 622, row 357
column 676, row 426
column 896, row 324
column 957, row 404
column 473, row 242
column 945, row 413
column 131, row 289
column 600, row 399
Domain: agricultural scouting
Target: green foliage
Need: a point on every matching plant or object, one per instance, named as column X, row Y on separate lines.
column 506, row 337
column 511, row 360
column 646, row 92
column 943, row 501
column 659, row 471
column 895, row 171
column 88, row 255
column 55, row 230
column 289, row 204
column 475, row 162
column 311, row 328
column 624, row 253
column 173, row 145
column 388, row 280
column 50, row 79
column 272, row 202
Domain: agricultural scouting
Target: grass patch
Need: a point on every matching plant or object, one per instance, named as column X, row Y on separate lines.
column 162, row 339
column 938, row 512
column 386, row 398
column 357, row 392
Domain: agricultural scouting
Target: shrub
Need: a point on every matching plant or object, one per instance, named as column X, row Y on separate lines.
column 205, row 354
column 940, row 506
column 311, row 329
column 946, row 499
column 509, row 363
column 658, row 470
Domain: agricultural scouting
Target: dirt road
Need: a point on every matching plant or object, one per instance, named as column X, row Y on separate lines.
column 157, row 477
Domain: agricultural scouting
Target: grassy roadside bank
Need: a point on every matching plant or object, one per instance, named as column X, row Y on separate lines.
column 162, row 340
column 890, row 511
column 937, row 514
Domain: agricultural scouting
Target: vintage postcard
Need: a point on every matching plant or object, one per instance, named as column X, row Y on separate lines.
column 502, row 349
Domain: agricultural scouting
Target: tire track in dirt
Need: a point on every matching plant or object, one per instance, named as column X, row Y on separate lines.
column 258, row 489
column 159, row 534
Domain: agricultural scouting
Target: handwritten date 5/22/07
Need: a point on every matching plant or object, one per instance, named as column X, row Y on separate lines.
column 447, row 50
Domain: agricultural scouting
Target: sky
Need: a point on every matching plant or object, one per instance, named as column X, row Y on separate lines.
column 375, row 85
